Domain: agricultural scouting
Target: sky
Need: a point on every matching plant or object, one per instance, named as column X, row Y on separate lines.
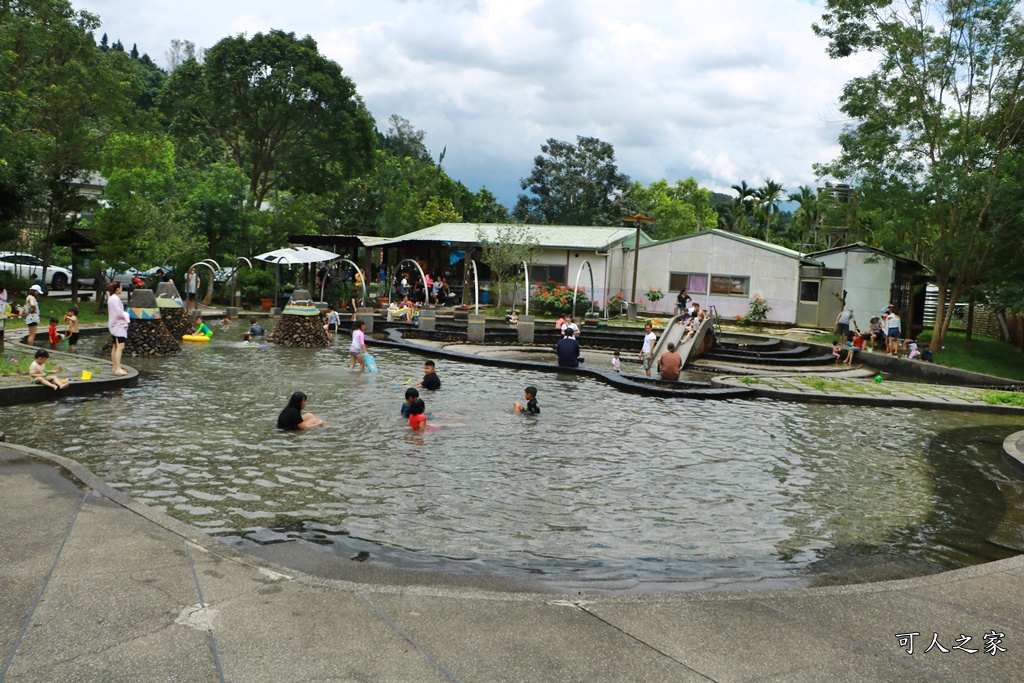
column 723, row 91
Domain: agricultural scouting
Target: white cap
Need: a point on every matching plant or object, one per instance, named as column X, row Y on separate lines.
column 36, row 288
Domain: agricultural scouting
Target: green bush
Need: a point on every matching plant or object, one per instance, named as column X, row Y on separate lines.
column 255, row 284
column 14, row 284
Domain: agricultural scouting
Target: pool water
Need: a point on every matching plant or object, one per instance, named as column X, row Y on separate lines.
column 604, row 488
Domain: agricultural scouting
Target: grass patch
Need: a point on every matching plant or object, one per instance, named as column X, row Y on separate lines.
column 986, row 355
column 1004, row 398
column 816, row 383
column 989, row 356
column 750, row 380
column 14, row 367
column 57, row 308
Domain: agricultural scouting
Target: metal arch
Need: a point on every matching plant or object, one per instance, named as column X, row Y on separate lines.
column 526, row 275
column 232, row 281
column 578, row 274
column 476, row 287
column 423, row 276
column 362, row 280
column 213, row 276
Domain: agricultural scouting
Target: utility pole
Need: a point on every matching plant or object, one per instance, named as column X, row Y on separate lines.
column 638, row 220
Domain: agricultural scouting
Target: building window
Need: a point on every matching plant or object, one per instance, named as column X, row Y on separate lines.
column 727, row 285
column 547, row 273
column 696, row 283
column 809, row 291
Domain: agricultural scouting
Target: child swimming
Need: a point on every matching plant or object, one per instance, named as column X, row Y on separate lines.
column 531, row 407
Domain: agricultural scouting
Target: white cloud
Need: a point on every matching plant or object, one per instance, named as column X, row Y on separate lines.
column 725, row 91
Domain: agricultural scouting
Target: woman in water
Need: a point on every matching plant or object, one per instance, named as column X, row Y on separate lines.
column 117, row 323
column 292, row 418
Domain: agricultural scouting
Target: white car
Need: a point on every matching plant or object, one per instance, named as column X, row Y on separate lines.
column 31, row 267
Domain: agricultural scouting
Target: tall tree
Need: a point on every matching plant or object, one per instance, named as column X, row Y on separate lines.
column 679, row 209
column 573, row 185
column 768, row 196
column 403, row 140
column 59, row 96
column 933, row 124
column 805, row 219
column 138, row 224
column 288, row 117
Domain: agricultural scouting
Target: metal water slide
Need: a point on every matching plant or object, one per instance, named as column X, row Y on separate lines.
column 674, row 333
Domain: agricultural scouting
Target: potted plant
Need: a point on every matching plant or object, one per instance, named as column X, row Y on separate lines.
column 374, row 292
column 257, row 286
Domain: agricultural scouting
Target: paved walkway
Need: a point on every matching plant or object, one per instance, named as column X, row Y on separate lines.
column 855, row 389
column 97, row 587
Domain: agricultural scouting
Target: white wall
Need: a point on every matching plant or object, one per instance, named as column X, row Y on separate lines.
column 773, row 276
column 572, row 260
column 867, row 285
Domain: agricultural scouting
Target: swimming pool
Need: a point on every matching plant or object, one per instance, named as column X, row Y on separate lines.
column 604, row 489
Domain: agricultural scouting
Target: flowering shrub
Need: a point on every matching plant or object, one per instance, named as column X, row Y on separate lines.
column 758, row 310
column 554, row 298
column 654, row 295
column 615, row 304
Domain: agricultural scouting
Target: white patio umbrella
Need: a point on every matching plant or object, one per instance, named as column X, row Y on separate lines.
column 296, row 255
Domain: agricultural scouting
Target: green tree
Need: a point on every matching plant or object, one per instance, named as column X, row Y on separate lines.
column 767, row 197
column 59, row 97
column 679, row 209
column 403, row 140
column 287, row 116
column 513, row 244
column 483, row 207
column 573, row 185
column 214, row 206
column 933, row 124
column 138, row 225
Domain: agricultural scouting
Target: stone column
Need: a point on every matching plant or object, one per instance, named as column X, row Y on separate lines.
column 428, row 319
column 366, row 315
column 525, row 328
column 475, row 329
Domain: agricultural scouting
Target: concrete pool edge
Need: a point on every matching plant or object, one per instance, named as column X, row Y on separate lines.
column 1013, row 451
column 441, row 584
column 35, row 393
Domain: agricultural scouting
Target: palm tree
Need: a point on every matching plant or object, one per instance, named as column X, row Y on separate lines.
column 732, row 216
column 768, row 196
column 744, row 191
column 805, row 219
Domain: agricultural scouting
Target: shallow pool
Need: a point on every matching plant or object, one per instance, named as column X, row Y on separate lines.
column 604, row 488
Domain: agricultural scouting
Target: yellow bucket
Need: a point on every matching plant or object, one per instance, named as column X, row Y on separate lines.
column 86, row 374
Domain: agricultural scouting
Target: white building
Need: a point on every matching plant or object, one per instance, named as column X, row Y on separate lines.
column 870, row 277
column 719, row 269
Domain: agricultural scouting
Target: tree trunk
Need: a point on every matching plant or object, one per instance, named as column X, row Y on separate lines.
column 970, row 318
column 940, row 314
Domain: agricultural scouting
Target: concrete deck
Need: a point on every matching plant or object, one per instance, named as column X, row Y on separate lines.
column 97, row 587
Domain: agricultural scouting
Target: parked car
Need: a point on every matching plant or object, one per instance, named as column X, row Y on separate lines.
column 31, row 267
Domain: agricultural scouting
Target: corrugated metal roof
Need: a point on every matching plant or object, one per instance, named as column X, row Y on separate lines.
column 596, row 238
column 752, row 241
